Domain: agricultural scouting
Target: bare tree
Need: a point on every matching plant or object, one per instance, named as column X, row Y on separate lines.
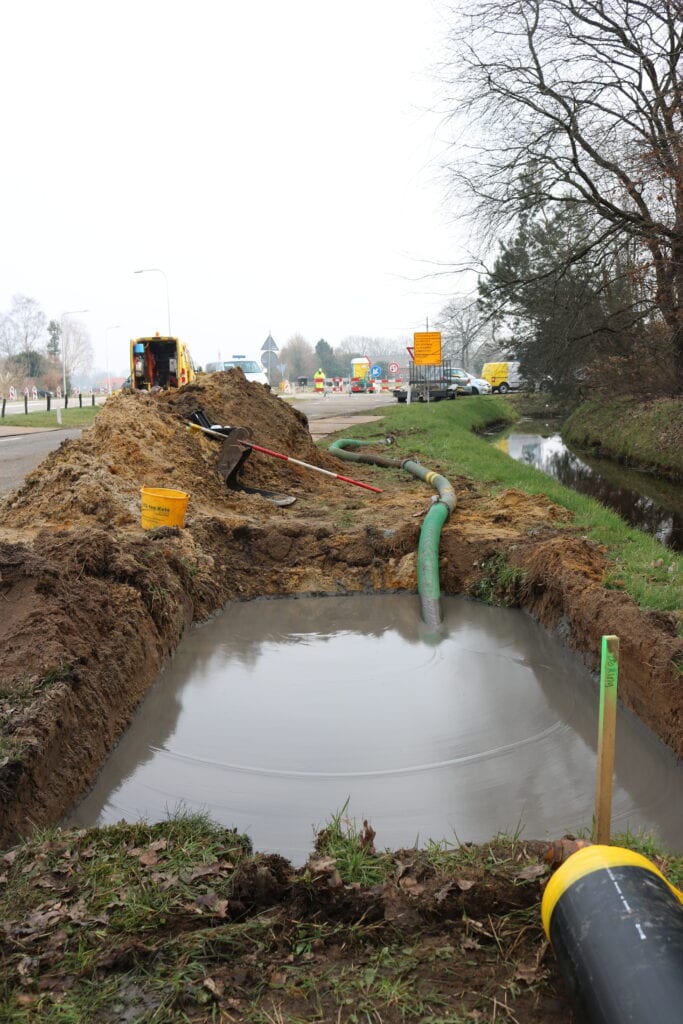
column 464, row 330
column 378, row 350
column 29, row 324
column 9, row 336
column 299, row 357
column 589, row 94
column 77, row 347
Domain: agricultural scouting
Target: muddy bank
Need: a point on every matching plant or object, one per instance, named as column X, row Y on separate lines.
column 93, row 605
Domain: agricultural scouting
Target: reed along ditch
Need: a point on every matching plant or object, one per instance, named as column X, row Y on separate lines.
column 646, row 502
column 277, row 713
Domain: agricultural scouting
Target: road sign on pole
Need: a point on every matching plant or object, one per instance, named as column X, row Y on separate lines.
column 376, row 371
column 393, row 367
column 427, row 346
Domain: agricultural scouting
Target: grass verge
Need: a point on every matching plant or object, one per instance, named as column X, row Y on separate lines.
column 445, row 435
column 179, row 922
column 71, row 417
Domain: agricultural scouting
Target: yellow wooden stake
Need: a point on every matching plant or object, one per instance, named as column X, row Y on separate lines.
column 607, row 727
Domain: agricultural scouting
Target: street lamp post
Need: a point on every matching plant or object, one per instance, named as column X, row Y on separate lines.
column 113, row 327
column 156, row 270
column 69, row 312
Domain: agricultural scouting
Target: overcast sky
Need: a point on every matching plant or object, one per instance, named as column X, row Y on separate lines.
column 277, row 161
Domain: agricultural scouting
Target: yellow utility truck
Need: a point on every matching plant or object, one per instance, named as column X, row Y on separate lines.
column 159, row 362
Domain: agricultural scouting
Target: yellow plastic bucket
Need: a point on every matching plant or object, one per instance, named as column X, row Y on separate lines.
column 162, row 507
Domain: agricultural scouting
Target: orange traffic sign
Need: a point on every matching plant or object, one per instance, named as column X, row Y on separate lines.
column 427, row 345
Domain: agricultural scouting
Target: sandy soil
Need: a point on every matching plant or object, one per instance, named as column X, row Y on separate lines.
column 92, row 604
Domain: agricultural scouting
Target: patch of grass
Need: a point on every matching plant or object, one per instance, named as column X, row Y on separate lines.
column 71, row 417
column 111, row 901
column 442, row 436
column 500, row 583
column 352, row 849
column 646, row 843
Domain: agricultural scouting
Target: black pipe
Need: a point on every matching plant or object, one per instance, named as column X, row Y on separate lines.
column 616, row 927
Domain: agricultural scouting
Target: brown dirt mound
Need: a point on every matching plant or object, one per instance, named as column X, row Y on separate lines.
column 142, row 439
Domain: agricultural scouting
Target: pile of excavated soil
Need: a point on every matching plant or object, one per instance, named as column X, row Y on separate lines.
column 92, row 604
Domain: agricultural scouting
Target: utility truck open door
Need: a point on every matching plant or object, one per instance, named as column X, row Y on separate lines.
column 159, row 362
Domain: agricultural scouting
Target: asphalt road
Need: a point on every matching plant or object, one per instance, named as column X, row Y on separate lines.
column 20, row 453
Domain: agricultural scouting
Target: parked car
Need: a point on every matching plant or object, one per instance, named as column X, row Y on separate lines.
column 45, row 393
column 251, row 368
column 480, row 386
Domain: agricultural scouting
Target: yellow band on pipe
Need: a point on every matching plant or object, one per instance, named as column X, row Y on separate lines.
column 585, row 862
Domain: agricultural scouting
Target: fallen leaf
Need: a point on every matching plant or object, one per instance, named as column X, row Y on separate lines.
column 322, row 865
column 529, row 974
column 78, row 911
column 149, row 858
column 202, row 871
column 530, row 872
column 404, row 866
column 465, row 884
column 212, row 902
column 411, row 885
column 278, row 979
column 366, row 838
column 215, row 988
column 25, row 999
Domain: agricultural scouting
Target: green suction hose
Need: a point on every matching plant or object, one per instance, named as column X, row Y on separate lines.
column 428, row 586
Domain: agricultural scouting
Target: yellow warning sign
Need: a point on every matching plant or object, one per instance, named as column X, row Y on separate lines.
column 427, row 345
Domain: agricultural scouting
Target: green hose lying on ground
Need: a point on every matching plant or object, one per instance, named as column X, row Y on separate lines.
column 428, row 585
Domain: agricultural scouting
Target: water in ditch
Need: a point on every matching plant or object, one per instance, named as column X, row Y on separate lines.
column 277, row 713
column 645, row 501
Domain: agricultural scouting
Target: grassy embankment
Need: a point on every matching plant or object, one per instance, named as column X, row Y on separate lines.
column 446, row 434
column 647, row 434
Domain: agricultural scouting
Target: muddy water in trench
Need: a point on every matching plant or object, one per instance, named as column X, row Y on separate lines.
column 274, row 714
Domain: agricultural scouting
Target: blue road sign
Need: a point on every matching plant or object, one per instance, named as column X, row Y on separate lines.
column 376, row 371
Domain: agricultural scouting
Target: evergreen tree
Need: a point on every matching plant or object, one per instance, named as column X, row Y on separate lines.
column 563, row 302
column 53, row 346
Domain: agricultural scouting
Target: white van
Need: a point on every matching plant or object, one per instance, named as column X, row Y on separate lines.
column 251, row 368
column 502, row 377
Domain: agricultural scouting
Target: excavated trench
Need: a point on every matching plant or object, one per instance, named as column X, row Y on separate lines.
column 93, row 606
column 274, row 714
